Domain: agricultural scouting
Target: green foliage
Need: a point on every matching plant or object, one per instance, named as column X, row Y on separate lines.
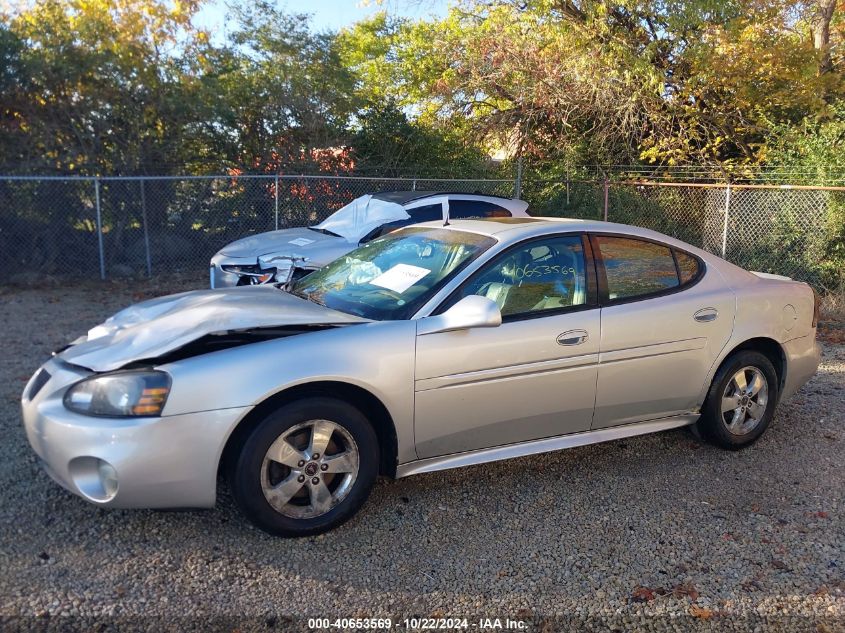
column 129, row 86
column 816, row 146
column 387, row 143
column 284, row 90
column 132, row 86
column 587, row 81
column 675, row 212
column 98, row 85
column 559, row 198
column 368, row 49
column 800, row 250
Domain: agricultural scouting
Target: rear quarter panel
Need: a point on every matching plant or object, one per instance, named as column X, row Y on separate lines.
column 765, row 308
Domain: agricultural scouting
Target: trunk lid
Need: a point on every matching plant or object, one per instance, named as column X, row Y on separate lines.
column 771, row 276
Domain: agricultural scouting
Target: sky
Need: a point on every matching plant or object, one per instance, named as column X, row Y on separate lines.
column 330, row 14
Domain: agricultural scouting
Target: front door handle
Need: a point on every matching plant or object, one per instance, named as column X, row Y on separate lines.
column 573, row 337
column 705, row 315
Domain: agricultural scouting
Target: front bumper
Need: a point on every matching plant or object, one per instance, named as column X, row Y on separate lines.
column 166, row 462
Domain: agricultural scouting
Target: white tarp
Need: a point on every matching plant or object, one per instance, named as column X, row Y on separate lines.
column 361, row 216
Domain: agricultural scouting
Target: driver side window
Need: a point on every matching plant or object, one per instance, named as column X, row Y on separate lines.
column 539, row 276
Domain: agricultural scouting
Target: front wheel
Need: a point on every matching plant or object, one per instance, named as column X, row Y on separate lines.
column 306, row 468
column 741, row 401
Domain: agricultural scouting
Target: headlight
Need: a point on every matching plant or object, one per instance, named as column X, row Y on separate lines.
column 122, row 394
column 256, row 274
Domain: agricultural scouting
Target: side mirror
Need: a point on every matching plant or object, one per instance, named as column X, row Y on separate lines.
column 470, row 312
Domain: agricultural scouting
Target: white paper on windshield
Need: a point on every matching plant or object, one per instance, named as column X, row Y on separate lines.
column 301, row 241
column 400, row 277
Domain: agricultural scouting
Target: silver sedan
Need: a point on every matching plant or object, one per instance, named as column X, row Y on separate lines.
column 429, row 348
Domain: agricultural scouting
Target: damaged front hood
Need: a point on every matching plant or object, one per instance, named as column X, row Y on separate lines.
column 299, row 242
column 152, row 328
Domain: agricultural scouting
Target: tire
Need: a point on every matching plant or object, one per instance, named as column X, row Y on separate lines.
column 283, row 497
column 736, row 428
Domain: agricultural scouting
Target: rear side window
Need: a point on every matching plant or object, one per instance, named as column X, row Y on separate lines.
column 688, row 266
column 464, row 209
column 428, row 213
column 635, row 267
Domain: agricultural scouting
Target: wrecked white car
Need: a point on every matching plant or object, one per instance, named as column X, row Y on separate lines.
column 288, row 254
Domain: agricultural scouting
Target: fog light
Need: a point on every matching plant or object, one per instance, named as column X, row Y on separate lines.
column 95, row 478
column 108, row 478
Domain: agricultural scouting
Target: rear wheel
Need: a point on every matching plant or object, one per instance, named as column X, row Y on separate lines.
column 306, row 468
column 741, row 401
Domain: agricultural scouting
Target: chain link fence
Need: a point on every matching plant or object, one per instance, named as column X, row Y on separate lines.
column 797, row 231
column 130, row 226
column 786, row 231
column 145, row 226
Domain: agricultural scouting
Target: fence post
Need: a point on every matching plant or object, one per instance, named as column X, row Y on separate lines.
column 276, row 196
column 606, row 188
column 146, row 230
column 725, row 224
column 567, row 188
column 99, row 229
column 517, row 184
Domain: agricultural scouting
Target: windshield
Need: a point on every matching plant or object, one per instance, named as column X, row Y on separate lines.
column 391, row 277
column 361, row 216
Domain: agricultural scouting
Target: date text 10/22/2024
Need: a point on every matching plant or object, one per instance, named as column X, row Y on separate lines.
column 418, row 624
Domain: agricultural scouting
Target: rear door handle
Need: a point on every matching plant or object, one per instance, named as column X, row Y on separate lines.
column 573, row 337
column 705, row 315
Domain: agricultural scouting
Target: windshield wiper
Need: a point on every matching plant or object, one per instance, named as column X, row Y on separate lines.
column 323, row 231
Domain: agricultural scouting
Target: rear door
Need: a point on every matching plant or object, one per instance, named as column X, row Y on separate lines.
column 665, row 318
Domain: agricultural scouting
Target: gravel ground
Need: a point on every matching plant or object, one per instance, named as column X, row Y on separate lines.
column 656, row 532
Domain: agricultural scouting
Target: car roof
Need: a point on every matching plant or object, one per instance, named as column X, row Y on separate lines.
column 404, row 197
column 516, row 229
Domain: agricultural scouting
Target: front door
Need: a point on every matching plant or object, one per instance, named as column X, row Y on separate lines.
column 532, row 377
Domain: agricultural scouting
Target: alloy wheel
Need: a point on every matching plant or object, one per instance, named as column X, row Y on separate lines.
column 310, row 469
column 745, row 400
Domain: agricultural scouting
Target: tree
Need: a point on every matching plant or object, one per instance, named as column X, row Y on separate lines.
column 283, row 90
column 591, row 81
column 743, row 74
column 387, row 143
column 102, row 85
column 132, row 86
column 821, row 16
